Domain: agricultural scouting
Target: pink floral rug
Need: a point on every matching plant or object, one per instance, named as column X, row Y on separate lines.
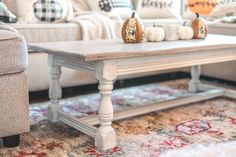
column 207, row 122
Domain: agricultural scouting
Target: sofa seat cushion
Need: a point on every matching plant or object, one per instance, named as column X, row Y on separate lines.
column 13, row 54
column 223, row 28
column 48, row 32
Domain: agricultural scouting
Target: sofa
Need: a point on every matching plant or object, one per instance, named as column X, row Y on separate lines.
column 14, row 109
column 38, row 70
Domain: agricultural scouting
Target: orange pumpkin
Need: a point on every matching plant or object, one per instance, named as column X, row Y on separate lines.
column 201, row 6
column 132, row 31
column 199, row 28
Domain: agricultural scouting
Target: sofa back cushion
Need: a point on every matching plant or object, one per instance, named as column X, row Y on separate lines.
column 159, row 8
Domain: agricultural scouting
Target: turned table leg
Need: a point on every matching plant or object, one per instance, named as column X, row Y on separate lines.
column 105, row 137
column 194, row 83
column 55, row 91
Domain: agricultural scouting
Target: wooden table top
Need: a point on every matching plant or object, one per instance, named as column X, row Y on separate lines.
column 95, row 50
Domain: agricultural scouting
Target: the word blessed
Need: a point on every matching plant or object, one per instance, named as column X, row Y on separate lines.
column 156, row 4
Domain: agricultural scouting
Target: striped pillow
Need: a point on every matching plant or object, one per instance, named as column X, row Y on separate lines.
column 123, row 8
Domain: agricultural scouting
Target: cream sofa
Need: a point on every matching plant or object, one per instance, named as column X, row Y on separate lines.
column 38, row 68
column 215, row 70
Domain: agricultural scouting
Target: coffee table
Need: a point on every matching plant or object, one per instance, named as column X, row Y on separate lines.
column 107, row 59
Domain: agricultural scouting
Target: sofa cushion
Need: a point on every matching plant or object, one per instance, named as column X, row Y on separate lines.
column 123, row 8
column 49, row 32
column 224, row 8
column 13, row 54
column 53, row 10
column 48, row 11
column 159, row 9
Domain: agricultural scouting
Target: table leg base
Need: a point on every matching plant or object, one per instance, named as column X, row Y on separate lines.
column 105, row 138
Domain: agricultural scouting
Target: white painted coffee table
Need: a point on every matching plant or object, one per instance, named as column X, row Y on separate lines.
column 108, row 59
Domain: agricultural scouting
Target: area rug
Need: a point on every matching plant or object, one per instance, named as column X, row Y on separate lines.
column 151, row 135
column 225, row 149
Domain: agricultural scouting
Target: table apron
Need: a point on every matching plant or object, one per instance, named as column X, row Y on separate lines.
column 139, row 65
column 172, row 61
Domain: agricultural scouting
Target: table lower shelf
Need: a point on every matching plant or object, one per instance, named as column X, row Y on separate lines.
column 86, row 124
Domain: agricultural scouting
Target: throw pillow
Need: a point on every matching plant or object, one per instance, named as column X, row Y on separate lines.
column 159, row 9
column 80, row 6
column 222, row 9
column 11, row 5
column 186, row 13
column 123, row 8
column 53, row 10
column 5, row 15
column 24, row 10
column 49, row 11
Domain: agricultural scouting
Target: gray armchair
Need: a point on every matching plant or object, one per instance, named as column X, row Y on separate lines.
column 14, row 103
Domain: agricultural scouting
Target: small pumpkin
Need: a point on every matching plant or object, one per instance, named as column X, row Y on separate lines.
column 132, row 31
column 199, row 28
column 154, row 33
column 185, row 32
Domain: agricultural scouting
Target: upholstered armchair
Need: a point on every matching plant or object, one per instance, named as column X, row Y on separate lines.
column 14, row 103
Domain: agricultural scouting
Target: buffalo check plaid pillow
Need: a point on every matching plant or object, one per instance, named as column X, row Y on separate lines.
column 48, row 10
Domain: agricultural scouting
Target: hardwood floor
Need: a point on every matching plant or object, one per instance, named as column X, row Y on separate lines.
column 41, row 96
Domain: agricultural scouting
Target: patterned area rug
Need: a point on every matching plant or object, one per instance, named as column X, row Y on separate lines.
column 207, row 122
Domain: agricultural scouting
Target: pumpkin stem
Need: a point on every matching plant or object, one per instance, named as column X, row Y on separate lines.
column 197, row 15
column 133, row 15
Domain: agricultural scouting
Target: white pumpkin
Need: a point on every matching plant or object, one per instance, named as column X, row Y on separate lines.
column 185, row 32
column 154, row 33
column 171, row 32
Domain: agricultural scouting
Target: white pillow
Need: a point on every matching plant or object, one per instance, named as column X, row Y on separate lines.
column 159, row 9
column 123, row 8
column 24, row 10
column 186, row 13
